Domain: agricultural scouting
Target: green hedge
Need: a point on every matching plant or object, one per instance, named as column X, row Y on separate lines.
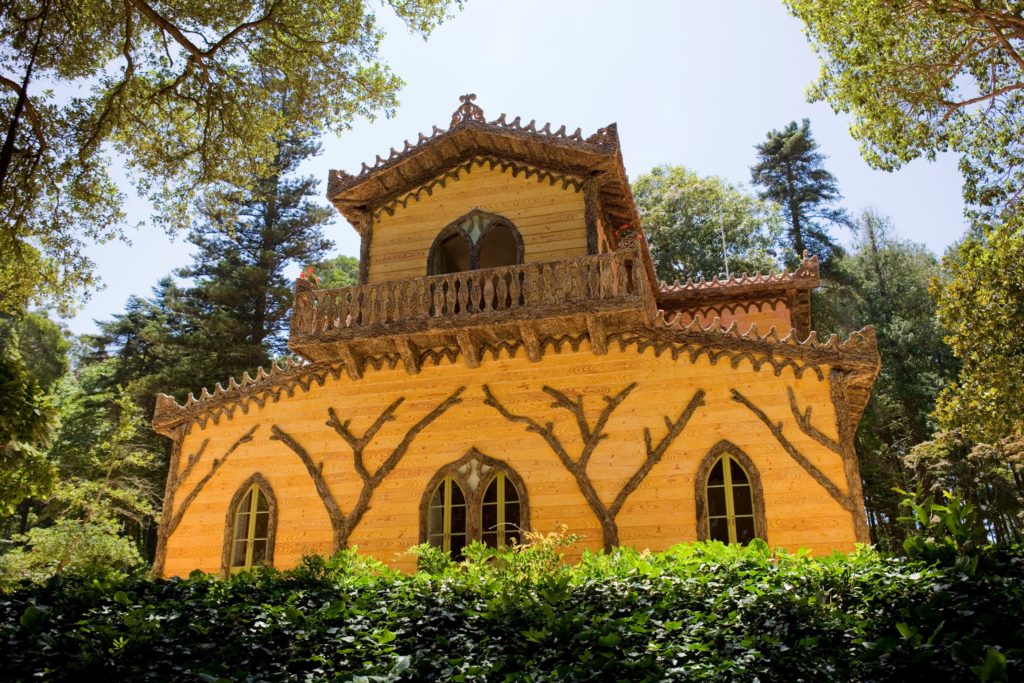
column 695, row 612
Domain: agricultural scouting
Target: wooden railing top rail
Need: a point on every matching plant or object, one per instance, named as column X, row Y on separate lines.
column 549, row 287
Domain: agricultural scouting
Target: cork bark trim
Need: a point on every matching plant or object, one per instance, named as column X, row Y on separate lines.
column 591, row 434
column 343, row 524
column 474, row 496
column 859, row 355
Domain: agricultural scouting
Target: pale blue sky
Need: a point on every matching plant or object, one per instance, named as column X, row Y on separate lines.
column 692, row 83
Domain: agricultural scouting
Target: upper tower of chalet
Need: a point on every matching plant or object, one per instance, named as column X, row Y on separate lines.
column 486, row 194
column 492, row 233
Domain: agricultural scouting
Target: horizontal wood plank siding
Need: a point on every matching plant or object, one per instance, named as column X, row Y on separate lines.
column 661, row 512
column 549, row 217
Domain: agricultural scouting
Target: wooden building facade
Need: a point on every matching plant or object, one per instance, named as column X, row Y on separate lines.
column 509, row 362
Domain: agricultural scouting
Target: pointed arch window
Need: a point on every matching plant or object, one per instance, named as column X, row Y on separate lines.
column 476, row 498
column 477, row 240
column 251, row 526
column 730, row 502
column 446, row 524
column 500, row 512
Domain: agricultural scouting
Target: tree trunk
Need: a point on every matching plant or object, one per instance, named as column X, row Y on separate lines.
column 7, row 151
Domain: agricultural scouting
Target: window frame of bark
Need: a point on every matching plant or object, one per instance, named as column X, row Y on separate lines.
column 474, row 495
column 756, row 490
column 489, row 221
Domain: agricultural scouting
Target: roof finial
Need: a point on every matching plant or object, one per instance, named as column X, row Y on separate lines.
column 467, row 111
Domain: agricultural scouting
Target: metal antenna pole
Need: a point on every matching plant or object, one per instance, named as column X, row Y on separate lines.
column 721, row 229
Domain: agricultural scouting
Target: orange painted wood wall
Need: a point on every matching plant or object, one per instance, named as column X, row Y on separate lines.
column 549, row 217
column 765, row 314
column 660, row 513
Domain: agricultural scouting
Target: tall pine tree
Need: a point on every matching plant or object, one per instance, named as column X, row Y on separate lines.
column 791, row 171
column 240, row 300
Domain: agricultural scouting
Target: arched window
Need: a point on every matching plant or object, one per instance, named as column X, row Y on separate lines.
column 476, row 498
column 730, row 504
column 477, row 240
column 251, row 526
column 446, row 517
column 499, row 512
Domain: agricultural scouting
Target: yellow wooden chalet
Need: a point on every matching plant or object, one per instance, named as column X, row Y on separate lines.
column 509, row 362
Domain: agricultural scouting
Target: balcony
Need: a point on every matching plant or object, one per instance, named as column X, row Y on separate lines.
column 525, row 303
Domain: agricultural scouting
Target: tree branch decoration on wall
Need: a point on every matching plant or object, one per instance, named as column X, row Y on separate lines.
column 343, row 524
column 592, row 435
column 172, row 518
column 803, row 422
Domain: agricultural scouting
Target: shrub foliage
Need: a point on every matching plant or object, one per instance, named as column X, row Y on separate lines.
column 694, row 612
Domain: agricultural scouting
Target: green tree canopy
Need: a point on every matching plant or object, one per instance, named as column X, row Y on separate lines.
column 921, row 77
column 885, row 281
column 188, row 92
column 340, row 271
column 981, row 303
column 246, row 238
column 687, row 217
column 791, row 172
column 33, row 355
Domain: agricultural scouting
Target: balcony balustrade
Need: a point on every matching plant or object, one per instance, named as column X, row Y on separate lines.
column 579, row 290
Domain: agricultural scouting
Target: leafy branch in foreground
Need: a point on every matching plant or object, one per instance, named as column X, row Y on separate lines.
column 189, row 93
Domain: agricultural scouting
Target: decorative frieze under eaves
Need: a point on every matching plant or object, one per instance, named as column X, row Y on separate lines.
column 553, row 176
column 857, row 355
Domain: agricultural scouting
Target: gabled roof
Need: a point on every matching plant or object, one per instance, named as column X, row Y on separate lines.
column 596, row 159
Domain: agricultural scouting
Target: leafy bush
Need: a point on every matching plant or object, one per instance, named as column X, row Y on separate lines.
column 88, row 548
column 694, row 612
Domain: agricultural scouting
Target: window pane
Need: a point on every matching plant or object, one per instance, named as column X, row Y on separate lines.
column 738, row 475
column 510, row 491
column 435, row 522
column 454, row 256
column 716, row 501
column 262, row 505
column 491, row 494
column 719, row 530
column 511, row 516
column 437, row 500
column 262, row 524
column 716, row 476
column 490, row 538
column 744, row 529
column 238, row 555
column 457, row 497
column 489, row 517
column 499, row 248
column 242, row 520
column 259, row 552
column 458, row 519
column 742, row 501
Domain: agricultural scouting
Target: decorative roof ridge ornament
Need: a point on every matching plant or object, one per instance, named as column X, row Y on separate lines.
column 467, row 111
